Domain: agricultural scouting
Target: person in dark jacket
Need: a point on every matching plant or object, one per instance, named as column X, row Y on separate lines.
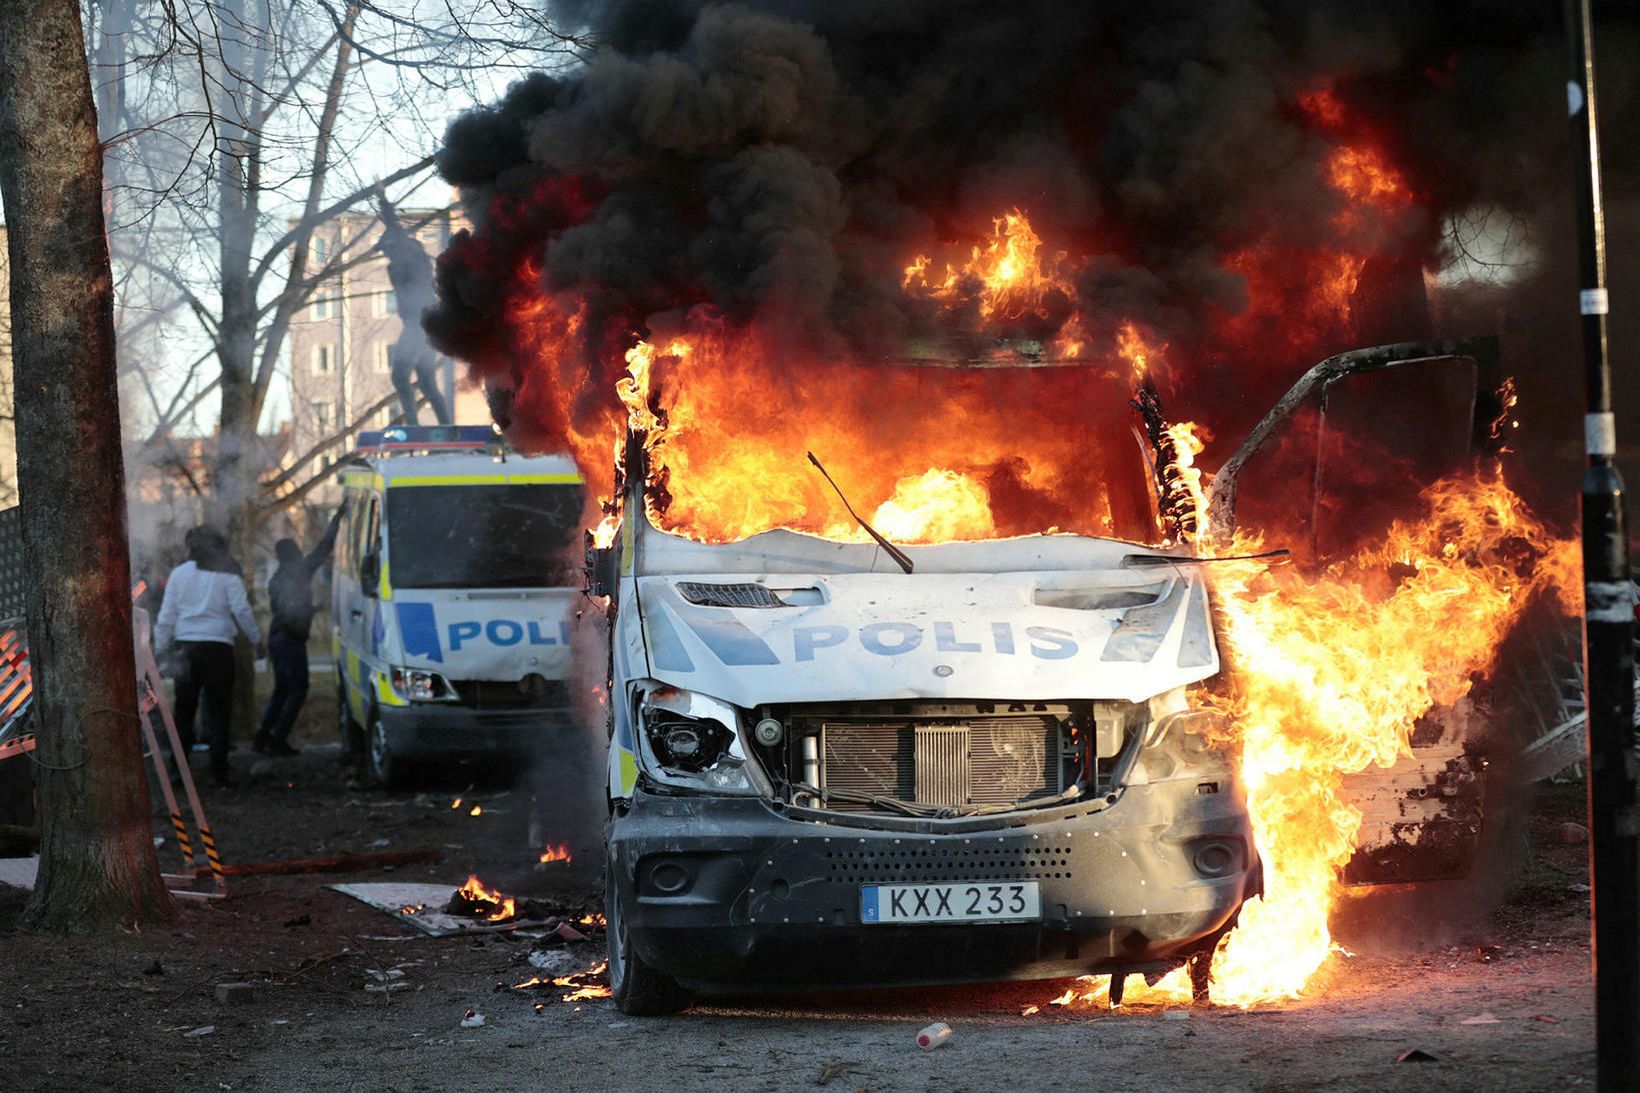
column 290, row 599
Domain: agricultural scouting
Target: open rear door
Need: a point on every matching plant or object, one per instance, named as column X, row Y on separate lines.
column 1342, row 453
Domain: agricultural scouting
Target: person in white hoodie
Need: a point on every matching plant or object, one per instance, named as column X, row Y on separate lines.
column 204, row 604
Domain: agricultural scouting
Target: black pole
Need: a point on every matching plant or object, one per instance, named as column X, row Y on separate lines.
column 1608, row 627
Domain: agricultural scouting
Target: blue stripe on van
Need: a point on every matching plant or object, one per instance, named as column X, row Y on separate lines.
column 419, row 630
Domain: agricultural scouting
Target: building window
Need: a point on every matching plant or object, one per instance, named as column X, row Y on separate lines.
column 320, row 250
column 324, row 359
column 384, row 356
column 387, row 303
column 323, row 415
column 322, row 307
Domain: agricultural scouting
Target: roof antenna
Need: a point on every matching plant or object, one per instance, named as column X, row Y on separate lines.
column 894, row 552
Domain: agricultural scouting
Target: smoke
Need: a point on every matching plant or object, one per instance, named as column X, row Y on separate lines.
column 774, row 165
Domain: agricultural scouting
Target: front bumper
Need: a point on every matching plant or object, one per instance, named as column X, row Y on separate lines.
column 734, row 893
column 439, row 731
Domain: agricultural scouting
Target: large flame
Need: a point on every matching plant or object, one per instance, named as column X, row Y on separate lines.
column 1330, row 674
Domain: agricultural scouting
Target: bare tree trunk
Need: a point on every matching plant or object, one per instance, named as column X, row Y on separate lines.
column 97, row 864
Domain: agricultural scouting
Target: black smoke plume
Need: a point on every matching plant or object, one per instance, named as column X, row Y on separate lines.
column 778, row 162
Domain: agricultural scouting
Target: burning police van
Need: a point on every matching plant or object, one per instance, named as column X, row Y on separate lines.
column 450, row 599
column 854, row 763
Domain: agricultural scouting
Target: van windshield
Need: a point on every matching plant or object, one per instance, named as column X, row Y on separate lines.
column 502, row 536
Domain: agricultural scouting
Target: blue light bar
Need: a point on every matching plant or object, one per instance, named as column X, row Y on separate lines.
column 423, row 438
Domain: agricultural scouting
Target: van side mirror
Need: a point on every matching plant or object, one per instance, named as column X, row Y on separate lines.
column 370, row 573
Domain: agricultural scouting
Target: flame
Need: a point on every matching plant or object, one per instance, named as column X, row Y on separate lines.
column 1330, row 674
column 455, row 804
column 1508, row 397
column 727, row 461
column 559, row 852
column 1006, row 275
column 479, row 893
column 1133, row 347
column 592, row 983
column 477, row 810
column 935, row 506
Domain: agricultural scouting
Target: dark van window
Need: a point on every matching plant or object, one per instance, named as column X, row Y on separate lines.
column 482, row 536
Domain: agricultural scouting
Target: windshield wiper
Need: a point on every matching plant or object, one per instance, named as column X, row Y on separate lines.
column 893, row 551
column 1131, row 560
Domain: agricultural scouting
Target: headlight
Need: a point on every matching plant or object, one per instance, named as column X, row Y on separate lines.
column 416, row 685
column 1185, row 744
column 691, row 740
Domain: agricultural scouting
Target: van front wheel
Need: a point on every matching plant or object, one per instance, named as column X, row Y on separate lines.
column 638, row 989
column 386, row 769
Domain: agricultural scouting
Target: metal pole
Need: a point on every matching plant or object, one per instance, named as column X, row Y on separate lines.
column 1608, row 628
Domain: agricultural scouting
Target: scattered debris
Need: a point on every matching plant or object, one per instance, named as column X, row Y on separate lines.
column 1418, row 1055
column 552, row 961
column 155, row 968
column 472, row 1020
column 1175, row 1015
column 568, row 932
column 299, row 920
column 390, row 979
column 934, row 1036
column 832, row 1070
column 1577, row 888
column 1481, row 1019
column 1546, row 1018
column 202, row 1030
column 1573, row 834
column 236, row 994
column 1029, row 1010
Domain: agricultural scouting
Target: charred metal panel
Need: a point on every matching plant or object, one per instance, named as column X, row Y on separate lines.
column 1421, row 818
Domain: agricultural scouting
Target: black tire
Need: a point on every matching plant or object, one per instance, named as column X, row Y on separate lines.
column 348, row 730
column 386, row 769
column 638, row 989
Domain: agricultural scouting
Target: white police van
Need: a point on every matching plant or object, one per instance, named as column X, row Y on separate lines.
column 452, row 597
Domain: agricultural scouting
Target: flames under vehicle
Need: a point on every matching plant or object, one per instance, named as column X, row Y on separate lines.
column 825, row 771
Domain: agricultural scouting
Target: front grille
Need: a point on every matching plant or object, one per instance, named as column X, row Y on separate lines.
column 946, row 761
column 949, row 861
column 502, row 694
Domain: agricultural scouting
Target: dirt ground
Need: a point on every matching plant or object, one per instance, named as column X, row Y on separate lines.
column 117, row 1012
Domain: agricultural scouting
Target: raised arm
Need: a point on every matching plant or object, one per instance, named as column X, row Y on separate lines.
column 321, row 553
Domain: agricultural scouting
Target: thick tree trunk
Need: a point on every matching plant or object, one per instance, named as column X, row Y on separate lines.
column 97, row 863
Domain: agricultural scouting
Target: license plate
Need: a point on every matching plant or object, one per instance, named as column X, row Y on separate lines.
column 1007, row 901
